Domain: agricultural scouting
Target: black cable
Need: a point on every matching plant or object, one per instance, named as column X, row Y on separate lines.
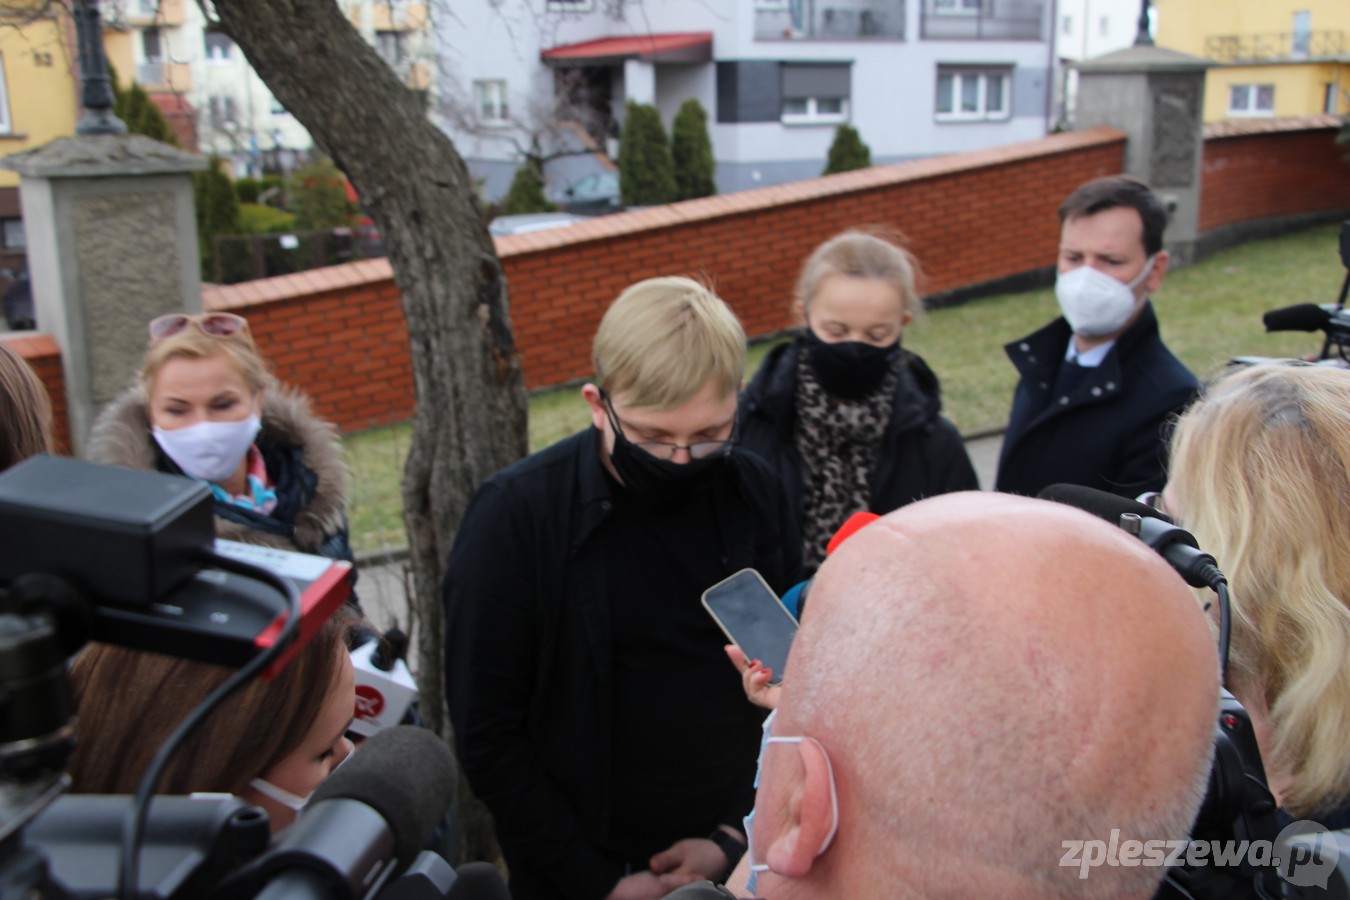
column 133, row 827
column 1220, row 586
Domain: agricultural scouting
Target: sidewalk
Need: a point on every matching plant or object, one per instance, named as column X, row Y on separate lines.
column 382, row 586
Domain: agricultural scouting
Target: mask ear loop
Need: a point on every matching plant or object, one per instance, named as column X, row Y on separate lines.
column 280, row 795
column 1143, row 273
column 834, row 793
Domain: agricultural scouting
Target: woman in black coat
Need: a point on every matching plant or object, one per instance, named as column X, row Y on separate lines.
column 849, row 419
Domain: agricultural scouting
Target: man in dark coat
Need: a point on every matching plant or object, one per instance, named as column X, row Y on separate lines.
column 594, row 710
column 1098, row 388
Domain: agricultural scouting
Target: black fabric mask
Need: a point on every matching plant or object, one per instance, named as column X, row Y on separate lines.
column 849, row 370
column 660, row 483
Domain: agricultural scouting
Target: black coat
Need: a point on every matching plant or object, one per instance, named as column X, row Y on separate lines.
column 922, row 454
column 529, row 657
column 1108, row 433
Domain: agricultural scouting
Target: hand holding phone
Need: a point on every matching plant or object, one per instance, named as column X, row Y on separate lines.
column 752, row 617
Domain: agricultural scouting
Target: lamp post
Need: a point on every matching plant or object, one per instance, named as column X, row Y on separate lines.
column 96, row 92
column 1142, row 37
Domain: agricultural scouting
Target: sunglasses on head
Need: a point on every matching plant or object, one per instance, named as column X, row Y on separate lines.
column 216, row 325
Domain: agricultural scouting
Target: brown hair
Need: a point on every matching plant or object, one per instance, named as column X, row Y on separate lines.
column 193, row 343
column 128, row 701
column 1102, row 194
column 874, row 253
column 25, row 411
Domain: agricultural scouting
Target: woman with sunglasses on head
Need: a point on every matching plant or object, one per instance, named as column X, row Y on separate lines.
column 849, row 419
column 206, row 406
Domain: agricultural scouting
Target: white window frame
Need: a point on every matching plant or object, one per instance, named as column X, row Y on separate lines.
column 481, row 98
column 982, row 114
column 12, row 234
column 813, row 115
column 395, row 39
column 6, row 122
column 220, row 54
column 957, row 7
column 1249, row 109
column 579, row 6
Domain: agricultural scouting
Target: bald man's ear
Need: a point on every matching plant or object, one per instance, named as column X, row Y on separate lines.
column 811, row 816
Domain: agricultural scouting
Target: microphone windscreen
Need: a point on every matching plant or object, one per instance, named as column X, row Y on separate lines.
column 405, row 774
column 1099, row 503
column 1302, row 317
column 478, row 881
column 850, row 527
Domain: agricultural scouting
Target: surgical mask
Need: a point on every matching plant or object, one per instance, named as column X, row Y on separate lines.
column 210, row 451
column 1094, row 303
column 849, row 370
column 756, row 867
column 281, row 795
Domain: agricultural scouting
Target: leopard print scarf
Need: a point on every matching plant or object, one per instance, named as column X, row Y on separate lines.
column 839, row 442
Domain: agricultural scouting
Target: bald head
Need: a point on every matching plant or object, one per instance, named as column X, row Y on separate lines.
column 993, row 675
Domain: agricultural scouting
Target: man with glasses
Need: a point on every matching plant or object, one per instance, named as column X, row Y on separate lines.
column 594, row 711
column 964, row 713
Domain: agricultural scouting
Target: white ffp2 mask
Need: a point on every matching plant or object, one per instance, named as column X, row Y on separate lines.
column 211, row 451
column 1094, row 303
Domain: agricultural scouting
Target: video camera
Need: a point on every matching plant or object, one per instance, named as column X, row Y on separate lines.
column 90, row 552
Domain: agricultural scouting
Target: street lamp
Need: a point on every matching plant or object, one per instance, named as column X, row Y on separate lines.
column 1142, row 37
column 96, row 96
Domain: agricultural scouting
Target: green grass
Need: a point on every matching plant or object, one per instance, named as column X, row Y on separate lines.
column 1209, row 313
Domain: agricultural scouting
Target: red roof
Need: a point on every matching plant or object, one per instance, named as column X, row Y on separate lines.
column 654, row 47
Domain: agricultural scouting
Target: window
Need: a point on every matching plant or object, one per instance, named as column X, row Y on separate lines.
column 1251, row 100
column 1066, row 26
column 956, row 7
column 6, row 126
column 570, row 5
column 224, row 113
column 392, row 45
column 1302, row 33
column 973, row 94
column 814, row 94
column 1330, row 106
column 275, row 107
column 219, row 47
column 13, row 235
column 490, row 102
column 1104, row 26
column 151, row 47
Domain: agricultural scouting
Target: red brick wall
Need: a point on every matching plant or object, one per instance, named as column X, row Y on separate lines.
column 40, row 352
column 1259, row 176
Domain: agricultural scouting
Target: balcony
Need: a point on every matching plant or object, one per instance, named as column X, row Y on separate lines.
column 983, row 20
column 829, row 20
column 1276, row 46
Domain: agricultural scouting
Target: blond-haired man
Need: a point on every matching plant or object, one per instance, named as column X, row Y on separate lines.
column 594, row 711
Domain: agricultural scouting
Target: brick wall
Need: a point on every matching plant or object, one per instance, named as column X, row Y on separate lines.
column 339, row 335
column 1261, row 170
column 40, row 352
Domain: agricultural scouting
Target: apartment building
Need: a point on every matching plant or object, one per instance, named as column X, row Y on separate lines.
column 917, row 78
column 1085, row 29
column 1271, row 57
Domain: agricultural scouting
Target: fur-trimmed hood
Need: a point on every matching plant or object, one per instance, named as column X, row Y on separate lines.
column 121, row 436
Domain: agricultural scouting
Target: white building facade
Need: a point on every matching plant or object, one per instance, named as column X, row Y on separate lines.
column 917, row 78
column 1085, row 29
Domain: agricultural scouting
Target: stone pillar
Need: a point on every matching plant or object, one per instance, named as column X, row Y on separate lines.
column 112, row 243
column 1156, row 96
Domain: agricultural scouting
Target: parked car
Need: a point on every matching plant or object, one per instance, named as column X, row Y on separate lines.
column 591, row 195
column 528, row 222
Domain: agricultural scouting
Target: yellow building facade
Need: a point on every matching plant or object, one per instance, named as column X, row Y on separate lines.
column 1272, row 58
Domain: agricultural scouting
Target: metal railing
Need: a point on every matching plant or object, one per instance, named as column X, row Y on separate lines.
column 987, row 20
column 829, row 19
column 1281, row 45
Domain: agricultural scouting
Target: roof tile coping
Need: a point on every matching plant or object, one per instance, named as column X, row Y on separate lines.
column 32, row 345
column 1244, row 127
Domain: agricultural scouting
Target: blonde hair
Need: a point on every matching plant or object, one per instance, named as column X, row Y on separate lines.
column 1260, row 475
column 872, row 253
column 25, row 411
column 663, row 339
column 192, row 343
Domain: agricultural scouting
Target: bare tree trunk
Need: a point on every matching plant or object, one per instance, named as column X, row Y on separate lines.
column 470, row 413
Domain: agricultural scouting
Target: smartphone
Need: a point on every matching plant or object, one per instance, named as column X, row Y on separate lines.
column 752, row 617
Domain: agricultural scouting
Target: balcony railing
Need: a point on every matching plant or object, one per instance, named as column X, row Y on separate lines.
column 150, row 72
column 1286, row 45
column 983, row 20
column 829, row 19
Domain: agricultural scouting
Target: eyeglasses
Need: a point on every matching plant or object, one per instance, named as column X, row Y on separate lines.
column 666, row 451
column 216, row 325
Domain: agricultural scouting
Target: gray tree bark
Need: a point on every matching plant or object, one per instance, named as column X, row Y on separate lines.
column 470, row 417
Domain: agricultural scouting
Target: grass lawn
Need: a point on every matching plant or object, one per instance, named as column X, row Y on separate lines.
column 1209, row 313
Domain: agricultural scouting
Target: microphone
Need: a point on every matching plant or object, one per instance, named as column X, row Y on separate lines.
column 478, row 881
column 366, row 822
column 1174, row 544
column 384, row 686
column 1300, row 317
